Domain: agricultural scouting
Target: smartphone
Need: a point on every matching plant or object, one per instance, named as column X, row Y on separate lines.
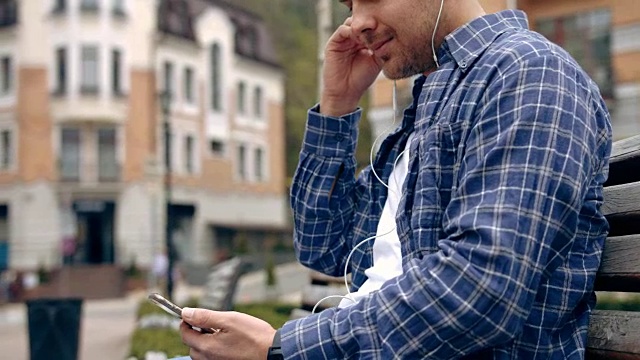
column 166, row 305
column 174, row 310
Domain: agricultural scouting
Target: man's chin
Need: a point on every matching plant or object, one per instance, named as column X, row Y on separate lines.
column 394, row 74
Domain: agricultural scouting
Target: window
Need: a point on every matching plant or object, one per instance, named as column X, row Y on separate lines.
column 257, row 101
column 259, row 164
column 587, row 37
column 6, row 149
column 216, row 102
column 60, row 6
column 7, row 75
column 116, row 72
column 242, row 89
column 252, row 40
column 242, row 158
column 108, row 169
column 216, row 147
column 90, row 5
column 188, row 85
column 4, row 237
column 189, row 154
column 8, row 13
column 118, row 7
column 70, row 154
column 168, row 78
column 90, row 68
column 61, row 70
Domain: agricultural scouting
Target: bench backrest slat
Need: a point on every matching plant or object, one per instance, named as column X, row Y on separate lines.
column 620, row 266
column 622, row 199
column 614, row 335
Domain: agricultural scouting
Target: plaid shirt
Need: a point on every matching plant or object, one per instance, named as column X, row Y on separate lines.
column 499, row 220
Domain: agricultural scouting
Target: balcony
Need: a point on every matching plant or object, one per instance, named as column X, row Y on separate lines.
column 89, row 174
column 88, row 155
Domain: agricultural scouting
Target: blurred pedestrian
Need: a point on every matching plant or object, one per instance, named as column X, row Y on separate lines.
column 159, row 269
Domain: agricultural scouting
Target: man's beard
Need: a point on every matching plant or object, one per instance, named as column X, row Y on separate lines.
column 416, row 60
column 411, row 64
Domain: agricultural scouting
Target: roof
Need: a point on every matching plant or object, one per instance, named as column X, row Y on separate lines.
column 252, row 38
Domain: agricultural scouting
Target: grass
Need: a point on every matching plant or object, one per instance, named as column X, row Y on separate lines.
column 618, row 301
column 169, row 341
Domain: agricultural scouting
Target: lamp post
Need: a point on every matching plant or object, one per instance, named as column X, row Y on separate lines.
column 165, row 102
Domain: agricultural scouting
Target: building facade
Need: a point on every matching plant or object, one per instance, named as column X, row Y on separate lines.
column 82, row 146
column 602, row 36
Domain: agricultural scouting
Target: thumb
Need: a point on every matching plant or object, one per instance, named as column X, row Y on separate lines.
column 202, row 318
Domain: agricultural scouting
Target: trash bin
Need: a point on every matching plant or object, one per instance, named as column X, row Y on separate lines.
column 54, row 328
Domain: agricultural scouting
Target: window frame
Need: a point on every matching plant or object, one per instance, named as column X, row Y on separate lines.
column 7, row 151
column 7, row 74
column 117, row 67
column 89, row 77
column 77, row 175
column 62, row 70
column 215, row 86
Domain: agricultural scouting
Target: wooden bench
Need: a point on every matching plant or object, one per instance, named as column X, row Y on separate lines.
column 612, row 334
column 616, row 334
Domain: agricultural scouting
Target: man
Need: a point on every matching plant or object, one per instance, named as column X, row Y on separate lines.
column 498, row 165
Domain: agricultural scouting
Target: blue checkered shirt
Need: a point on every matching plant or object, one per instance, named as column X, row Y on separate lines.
column 499, row 221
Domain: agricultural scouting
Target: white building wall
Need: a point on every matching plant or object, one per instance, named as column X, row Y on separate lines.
column 139, row 218
column 32, row 43
column 35, row 226
column 232, row 209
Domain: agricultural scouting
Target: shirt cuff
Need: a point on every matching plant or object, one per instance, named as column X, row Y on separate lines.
column 309, row 338
column 331, row 136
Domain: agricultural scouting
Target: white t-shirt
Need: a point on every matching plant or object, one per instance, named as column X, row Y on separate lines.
column 387, row 254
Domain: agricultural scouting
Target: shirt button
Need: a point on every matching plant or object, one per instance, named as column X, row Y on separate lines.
column 463, row 64
column 339, row 137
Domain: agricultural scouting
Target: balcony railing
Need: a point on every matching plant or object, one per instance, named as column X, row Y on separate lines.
column 107, row 173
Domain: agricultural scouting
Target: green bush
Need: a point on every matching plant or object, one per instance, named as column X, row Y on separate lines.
column 274, row 313
column 167, row 341
column 147, row 308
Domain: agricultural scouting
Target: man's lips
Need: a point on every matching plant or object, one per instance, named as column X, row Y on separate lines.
column 377, row 46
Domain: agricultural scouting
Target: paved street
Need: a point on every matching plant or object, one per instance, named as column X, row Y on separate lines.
column 107, row 324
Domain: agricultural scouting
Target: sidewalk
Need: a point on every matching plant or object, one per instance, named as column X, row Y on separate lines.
column 107, row 324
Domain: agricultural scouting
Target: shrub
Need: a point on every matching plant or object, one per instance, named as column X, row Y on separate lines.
column 167, row 341
column 274, row 313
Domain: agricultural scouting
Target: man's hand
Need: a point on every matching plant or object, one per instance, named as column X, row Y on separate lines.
column 240, row 336
column 349, row 69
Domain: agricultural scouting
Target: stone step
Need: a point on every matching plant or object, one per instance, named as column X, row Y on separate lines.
column 83, row 281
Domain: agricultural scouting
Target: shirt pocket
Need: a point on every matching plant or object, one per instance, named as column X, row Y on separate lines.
column 438, row 162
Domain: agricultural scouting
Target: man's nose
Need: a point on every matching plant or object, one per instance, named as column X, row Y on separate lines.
column 362, row 21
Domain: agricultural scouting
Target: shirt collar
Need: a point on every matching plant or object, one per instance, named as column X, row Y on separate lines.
column 465, row 44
